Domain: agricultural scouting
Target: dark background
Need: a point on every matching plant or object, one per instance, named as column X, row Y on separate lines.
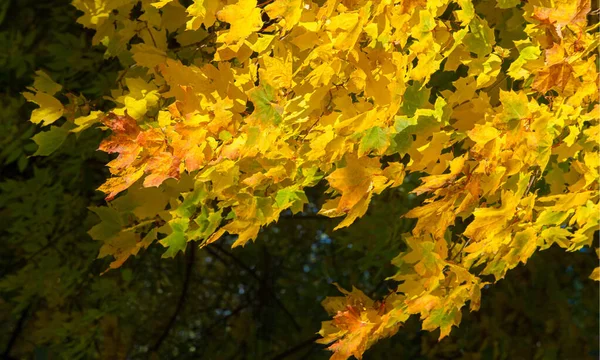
column 257, row 302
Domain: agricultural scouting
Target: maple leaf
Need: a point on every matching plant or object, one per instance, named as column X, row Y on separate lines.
column 444, row 320
column 291, row 197
column 515, row 105
column 121, row 124
column 563, row 12
column 161, row 166
column 50, row 141
column 414, row 98
column 357, row 322
column 266, row 108
column 289, row 10
column 116, row 242
column 50, row 108
column 354, row 181
column 374, row 139
column 244, row 18
column 123, row 181
column 489, row 221
column 244, row 120
column 177, row 240
column 188, row 145
column 44, row 83
column 347, row 27
column 480, row 39
column 202, row 12
column 557, row 74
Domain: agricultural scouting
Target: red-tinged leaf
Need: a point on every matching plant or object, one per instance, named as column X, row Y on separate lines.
column 161, row 167
column 124, row 124
column 152, row 140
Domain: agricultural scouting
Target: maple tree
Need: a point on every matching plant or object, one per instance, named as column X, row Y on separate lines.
column 225, row 112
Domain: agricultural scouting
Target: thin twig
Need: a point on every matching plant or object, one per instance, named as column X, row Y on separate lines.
column 531, row 181
column 197, row 44
column 461, row 249
column 150, row 32
column 297, row 348
column 253, row 273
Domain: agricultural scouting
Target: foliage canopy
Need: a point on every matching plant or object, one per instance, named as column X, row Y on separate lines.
column 228, row 113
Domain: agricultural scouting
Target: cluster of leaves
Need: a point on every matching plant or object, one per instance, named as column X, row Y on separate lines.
column 54, row 303
column 226, row 112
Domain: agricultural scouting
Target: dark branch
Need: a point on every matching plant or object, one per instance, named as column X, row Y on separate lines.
column 206, row 333
column 253, row 273
column 297, row 348
column 305, row 217
column 180, row 302
column 16, row 332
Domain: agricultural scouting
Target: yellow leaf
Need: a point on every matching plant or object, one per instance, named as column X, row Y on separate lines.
column 595, row 275
column 49, row 111
column 244, row 18
column 354, row 181
column 289, row 10
column 489, row 221
column 202, row 12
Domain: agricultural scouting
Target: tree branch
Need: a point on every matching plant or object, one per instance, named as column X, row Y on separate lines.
column 16, row 332
column 253, row 273
column 304, row 217
column 180, row 302
column 297, row 348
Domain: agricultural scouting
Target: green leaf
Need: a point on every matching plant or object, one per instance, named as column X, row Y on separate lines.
column 207, row 222
column 507, row 4
column 265, row 106
column 190, row 203
column 481, row 38
column 225, row 135
column 49, row 141
column 176, row 240
column 526, row 54
column 515, row 105
column 414, row 98
column 291, row 196
column 549, row 217
column 376, row 139
column 110, row 223
column 44, row 83
column 311, row 176
column 402, row 142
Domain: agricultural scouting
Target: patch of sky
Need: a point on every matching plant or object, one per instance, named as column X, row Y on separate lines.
column 311, row 208
column 324, row 239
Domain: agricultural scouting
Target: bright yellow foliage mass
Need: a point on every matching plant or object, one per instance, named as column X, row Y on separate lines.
column 233, row 108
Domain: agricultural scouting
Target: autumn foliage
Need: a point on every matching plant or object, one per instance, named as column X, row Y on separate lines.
column 226, row 111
